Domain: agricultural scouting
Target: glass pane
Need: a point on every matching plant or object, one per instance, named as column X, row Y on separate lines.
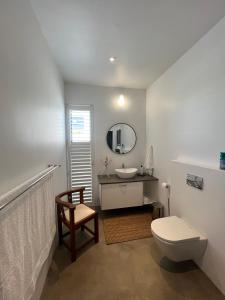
column 80, row 126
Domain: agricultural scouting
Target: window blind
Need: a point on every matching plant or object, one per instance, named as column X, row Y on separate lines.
column 80, row 156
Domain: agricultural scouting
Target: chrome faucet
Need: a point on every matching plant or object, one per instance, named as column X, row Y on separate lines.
column 123, row 166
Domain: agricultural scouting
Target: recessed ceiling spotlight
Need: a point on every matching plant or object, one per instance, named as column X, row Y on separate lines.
column 112, row 59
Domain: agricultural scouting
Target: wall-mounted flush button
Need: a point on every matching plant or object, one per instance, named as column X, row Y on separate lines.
column 195, row 181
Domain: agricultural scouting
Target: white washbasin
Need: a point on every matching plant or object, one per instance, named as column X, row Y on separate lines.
column 126, row 172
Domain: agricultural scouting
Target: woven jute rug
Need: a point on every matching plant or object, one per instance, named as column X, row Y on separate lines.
column 127, row 227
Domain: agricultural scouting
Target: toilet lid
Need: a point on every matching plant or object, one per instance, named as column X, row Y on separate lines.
column 173, row 230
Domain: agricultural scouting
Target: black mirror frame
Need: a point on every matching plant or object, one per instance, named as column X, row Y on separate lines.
column 133, row 131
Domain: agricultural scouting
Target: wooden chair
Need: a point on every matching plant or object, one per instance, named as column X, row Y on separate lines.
column 74, row 217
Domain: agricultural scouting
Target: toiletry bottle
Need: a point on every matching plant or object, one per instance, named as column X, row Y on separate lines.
column 222, row 160
column 141, row 170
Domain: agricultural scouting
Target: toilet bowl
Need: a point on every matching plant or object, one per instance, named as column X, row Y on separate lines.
column 177, row 239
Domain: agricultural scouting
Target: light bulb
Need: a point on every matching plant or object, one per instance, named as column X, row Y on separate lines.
column 112, row 59
column 121, row 100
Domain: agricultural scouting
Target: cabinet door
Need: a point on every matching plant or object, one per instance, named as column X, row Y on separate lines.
column 121, row 195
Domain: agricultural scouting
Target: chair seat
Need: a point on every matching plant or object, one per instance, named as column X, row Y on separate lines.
column 81, row 212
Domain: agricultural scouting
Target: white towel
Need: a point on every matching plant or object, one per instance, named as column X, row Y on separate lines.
column 27, row 230
column 149, row 163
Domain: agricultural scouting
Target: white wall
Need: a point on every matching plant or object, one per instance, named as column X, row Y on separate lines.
column 203, row 209
column 31, row 97
column 185, row 121
column 107, row 113
column 31, row 100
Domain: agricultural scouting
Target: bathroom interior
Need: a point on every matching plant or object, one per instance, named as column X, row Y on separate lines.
column 112, row 149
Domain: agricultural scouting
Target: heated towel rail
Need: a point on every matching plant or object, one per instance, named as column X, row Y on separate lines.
column 12, row 195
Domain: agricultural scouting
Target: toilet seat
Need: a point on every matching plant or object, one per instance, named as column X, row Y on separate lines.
column 174, row 230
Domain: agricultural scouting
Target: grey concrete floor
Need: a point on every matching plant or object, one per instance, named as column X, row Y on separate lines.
column 132, row 270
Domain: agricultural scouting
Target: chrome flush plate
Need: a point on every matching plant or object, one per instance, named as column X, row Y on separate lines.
column 195, row 181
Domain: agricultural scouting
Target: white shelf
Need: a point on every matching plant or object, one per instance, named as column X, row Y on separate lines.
column 200, row 165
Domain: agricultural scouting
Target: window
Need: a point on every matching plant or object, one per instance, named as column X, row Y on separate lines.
column 80, row 150
column 80, row 126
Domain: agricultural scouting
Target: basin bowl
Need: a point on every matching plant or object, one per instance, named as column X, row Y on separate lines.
column 126, row 172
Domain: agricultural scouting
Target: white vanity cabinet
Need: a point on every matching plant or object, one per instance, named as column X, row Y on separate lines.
column 123, row 194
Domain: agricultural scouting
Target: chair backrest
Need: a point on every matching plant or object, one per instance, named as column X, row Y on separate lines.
column 62, row 205
column 71, row 192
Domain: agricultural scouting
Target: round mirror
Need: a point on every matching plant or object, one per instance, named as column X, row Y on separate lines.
column 121, row 138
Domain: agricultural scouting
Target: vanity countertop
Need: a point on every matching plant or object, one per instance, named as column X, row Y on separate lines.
column 113, row 178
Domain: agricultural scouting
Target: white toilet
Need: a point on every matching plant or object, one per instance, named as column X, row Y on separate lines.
column 177, row 239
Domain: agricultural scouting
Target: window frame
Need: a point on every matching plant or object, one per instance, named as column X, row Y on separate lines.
column 69, row 107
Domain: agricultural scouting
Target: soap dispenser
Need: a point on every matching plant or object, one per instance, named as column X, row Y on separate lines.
column 141, row 170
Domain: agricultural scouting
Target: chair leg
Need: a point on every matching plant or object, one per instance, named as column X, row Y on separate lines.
column 73, row 245
column 82, row 227
column 96, row 229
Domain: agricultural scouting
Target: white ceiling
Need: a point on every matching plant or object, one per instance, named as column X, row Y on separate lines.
column 146, row 36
